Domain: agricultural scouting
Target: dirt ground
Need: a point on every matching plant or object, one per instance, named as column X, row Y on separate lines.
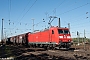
column 10, row 52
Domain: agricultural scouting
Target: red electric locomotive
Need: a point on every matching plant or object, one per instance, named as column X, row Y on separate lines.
column 52, row 37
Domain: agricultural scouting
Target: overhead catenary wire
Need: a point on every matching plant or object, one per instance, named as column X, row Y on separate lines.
column 28, row 10
column 73, row 9
column 9, row 5
column 54, row 10
column 25, row 13
column 81, row 20
column 62, row 7
column 24, row 9
column 82, row 23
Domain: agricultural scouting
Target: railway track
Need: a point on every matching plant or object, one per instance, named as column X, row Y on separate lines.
column 26, row 53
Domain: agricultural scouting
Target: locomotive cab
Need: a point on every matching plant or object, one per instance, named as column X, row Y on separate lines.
column 64, row 38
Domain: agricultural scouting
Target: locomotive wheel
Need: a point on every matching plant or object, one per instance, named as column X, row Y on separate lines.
column 23, row 42
column 53, row 47
column 48, row 47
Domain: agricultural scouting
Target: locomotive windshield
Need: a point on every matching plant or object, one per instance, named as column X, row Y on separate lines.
column 60, row 31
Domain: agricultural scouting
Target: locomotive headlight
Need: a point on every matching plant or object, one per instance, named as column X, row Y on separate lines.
column 60, row 36
column 68, row 37
column 69, row 40
column 56, row 43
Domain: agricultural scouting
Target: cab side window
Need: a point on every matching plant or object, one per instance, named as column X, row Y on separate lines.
column 52, row 32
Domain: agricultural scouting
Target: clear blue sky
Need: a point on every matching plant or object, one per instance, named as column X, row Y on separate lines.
column 22, row 12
